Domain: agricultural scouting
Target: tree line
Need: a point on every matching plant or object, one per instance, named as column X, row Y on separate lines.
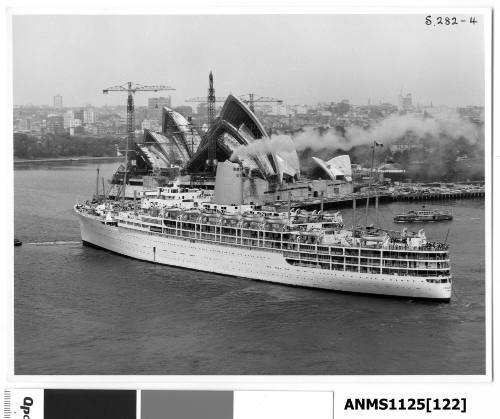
column 63, row 145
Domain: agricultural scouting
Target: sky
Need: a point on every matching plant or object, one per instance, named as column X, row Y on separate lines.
column 296, row 58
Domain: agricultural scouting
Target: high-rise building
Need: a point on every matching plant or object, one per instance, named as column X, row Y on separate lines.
column 68, row 119
column 88, row 116
column 155, row 106
column 405, row 102
column 78, row 114
column 58, row 104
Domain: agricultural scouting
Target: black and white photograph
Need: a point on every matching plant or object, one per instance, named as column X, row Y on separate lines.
column 251, row 194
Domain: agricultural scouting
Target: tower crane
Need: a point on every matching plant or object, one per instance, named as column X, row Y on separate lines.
column 210, row 99
column 131, row 88
column 252, row 98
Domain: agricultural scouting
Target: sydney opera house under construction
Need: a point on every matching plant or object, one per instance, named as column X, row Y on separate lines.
column 233, row 157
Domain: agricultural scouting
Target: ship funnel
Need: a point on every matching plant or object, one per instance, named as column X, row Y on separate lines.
column 228, row 184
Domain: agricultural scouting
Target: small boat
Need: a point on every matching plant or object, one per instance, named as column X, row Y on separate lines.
column 423, row 215
column 17, row 242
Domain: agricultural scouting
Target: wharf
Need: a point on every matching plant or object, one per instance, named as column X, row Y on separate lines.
column 385, row 197
column 439, row 196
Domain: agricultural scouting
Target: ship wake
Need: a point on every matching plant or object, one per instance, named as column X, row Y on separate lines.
column 55, row 243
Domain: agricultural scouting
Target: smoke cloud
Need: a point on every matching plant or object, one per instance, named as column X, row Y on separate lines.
column 386, row 131
column 275, row 144
column 395, row 127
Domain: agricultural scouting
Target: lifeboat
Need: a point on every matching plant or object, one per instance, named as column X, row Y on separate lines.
column 231, row 216
column 254, row 218
column 214, row 218
column 275, row 223
column 191, row 215
column 277, row 220
column 300, row 219
column 231, row 219
column 173, row 212
column 373, row 238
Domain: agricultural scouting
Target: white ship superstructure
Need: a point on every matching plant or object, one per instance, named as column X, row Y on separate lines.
column 175, row 196
column 293, row 248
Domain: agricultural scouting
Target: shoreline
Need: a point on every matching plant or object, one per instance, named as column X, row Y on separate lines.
column 68, row 159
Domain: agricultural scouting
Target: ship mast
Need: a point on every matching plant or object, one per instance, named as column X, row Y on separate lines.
column 97, row 185
column 370, row 182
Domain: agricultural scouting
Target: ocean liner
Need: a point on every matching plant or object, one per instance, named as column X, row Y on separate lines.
column 292, row 247
column 233, row 234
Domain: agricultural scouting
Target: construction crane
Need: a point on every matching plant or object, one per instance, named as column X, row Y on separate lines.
column 210, row 99
column 130, row 88
column 251, row 98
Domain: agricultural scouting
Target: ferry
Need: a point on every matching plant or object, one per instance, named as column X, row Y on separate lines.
column 289, row 247
column 423, row 215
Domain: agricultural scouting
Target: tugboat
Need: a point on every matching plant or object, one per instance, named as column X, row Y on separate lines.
column 423, row 216
column 17, row 242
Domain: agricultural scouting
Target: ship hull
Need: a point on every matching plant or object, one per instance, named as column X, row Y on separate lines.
column 422, row 219
column 257, row 264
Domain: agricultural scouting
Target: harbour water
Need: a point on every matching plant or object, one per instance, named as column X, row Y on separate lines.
column 79, row 310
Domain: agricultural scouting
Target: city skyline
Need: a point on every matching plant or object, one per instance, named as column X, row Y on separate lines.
column 219, row 105
column 299, row 59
